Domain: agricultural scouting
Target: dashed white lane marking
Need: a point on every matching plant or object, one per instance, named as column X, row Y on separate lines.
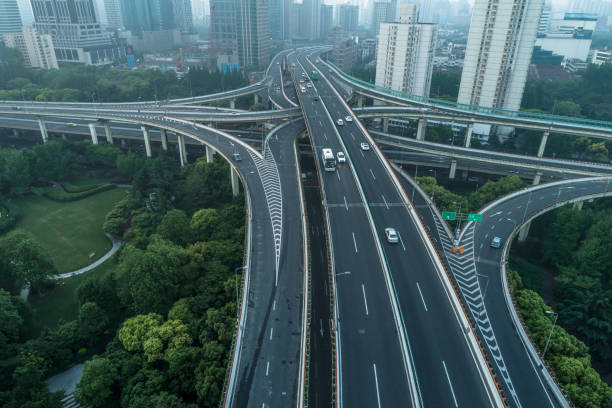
column 422, row 298
column 450, row 384
column 365, row 301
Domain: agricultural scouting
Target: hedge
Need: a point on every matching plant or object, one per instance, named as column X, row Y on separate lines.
column 73, row 188
column 58, row 195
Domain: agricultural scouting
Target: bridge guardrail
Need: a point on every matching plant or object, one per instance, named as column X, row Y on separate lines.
column 441, row 103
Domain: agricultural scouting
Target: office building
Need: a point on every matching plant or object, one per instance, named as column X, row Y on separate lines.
column 380, row 15
column 112, row 9
column 499, row 47
column 10, row 19
column 405, row 56
column 348, row 17
column 344, row 51
column 253, row 34
column 182, row 16
column 569, row 35
column 147, row 15
column 327, row 20
column 311, row 12
column 224, row 33
column 37, row 50
column 75, row 31
column 277, row 19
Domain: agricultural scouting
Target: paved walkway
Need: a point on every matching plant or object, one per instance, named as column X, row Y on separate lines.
column 116, row 245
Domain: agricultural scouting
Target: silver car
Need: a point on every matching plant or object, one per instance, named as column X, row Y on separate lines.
column 392, row 236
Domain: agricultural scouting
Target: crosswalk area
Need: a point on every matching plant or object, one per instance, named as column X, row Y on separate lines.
column 463, row 268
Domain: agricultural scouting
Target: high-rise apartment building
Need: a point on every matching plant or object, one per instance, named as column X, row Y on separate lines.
column 37, row 50
column 75, row 31
column 310, row 16
column 348, row 17
column 327, row 19
column 545, row 18
column 253, row 34
column 499, row 47
column 147, row 15
column 10, row 19
column 112, row 9
column 381, row 14
column 223, row 29
column 404, row 60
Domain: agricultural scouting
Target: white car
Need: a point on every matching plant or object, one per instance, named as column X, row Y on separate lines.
column 349, row 118
column 365, row 146
column 309, row 85
column 278, row 63
column 340, row 122
column 392, row 236
column 341, row 157
column 303, row 90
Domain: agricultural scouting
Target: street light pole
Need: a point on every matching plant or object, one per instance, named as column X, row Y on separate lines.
column 551, row 331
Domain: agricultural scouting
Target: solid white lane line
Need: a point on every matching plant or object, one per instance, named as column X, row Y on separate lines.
column 267, row 368
column 365, row 301
column 450, row 384
column 271, row 332
column 401, row 240
column 422, row 298
column 386, row 205
column 355, row 242
column 371, row 172
column 376, row 381
column 346, row 206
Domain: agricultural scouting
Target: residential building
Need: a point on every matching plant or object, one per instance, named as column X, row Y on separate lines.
column 253, row 34
column 405, row 56
column 499, row 47
column 10, row 19
column 380, row 14
column 75, row 31
column 311, row 12
column 345, row 50
column 601, row 57
column 545, row 18
column 569, row 35
column 326, row 20
column 37, row 50
column 112, row 9
column 348, row 17
column 277, row 19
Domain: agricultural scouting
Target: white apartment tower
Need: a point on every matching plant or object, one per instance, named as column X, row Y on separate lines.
column 499, row 47
column 404, row 60
column 37, row 50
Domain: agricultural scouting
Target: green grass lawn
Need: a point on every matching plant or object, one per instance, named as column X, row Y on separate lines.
column 62, row 302
column 69, row 231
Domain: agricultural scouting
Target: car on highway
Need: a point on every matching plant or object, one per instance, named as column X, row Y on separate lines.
column 316, row 98
column 496, row 242
column 365, row 146
column 309, row 85
column 237, row 156
column 349, row 118
column 278, row 63
column 341, row 157
column 340, row 122
column 71, row 124
column 391, row 235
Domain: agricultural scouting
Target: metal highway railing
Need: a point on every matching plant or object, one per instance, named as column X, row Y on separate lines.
column 470, row 109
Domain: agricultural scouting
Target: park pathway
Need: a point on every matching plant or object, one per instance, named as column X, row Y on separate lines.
column 116, row 245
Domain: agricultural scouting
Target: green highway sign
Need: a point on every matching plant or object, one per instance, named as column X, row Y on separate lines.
column 474, row 217
column 449, row 215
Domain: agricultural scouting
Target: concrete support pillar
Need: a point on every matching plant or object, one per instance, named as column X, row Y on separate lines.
column 181, row 146
column 468, row 134
column 123, row 143
column 211, row 125
column 15, row 133
column 255, row 98
column 360, row 101
column 94, row 133
column 147, row 140
column 164, row 139
column 64, row 136
column 385, row 125
column 107, row 131
column 421, row 129
column 524, row 232
column 578, row 205
column 543, row 143
column 43, row 130
column 209, row 154
column 453, row 169
column 235, row 183
column 233, row 103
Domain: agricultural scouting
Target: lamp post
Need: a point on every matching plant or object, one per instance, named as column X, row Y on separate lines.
column 549, row 312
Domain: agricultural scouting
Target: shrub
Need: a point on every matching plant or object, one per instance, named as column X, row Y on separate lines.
column 58, row 195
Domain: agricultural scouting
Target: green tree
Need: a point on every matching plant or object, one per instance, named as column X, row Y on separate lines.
column 204, row 223
column 93, row 321
column 175, row 227
column 11, row 323
column 97, row 383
